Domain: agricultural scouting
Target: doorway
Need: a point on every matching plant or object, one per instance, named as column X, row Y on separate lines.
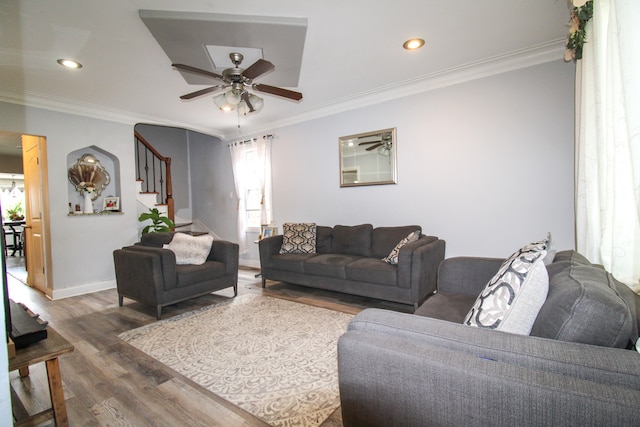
column 13, row 203
column 33, row 263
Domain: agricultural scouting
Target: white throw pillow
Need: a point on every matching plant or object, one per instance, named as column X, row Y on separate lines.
column 511, row 300
column 190, row 249
column 392, row 258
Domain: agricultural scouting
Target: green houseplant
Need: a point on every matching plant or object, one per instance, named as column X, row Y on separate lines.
column 159, row 222
column 16, row 213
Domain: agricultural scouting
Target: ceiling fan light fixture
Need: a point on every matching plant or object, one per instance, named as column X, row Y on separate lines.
column 232, row 97
column 69, row 63
column 221, row 102
column 413, row 44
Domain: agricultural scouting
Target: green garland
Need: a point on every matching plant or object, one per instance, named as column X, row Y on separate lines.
column 580, row 15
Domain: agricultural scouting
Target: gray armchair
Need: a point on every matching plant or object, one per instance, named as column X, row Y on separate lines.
column 147, row 273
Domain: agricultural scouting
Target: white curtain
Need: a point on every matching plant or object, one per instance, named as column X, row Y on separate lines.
column 238, row 155
column 608, row 141
column 264, row 176
column 260, row 169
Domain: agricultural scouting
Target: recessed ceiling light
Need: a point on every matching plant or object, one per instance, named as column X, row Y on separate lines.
column 413, row 44
column 69, row 63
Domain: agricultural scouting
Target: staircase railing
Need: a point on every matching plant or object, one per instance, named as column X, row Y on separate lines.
column 154, row 171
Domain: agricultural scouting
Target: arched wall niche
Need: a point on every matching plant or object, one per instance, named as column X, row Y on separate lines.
column 112, row 166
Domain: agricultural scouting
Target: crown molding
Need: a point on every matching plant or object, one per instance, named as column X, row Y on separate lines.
column 534, row 55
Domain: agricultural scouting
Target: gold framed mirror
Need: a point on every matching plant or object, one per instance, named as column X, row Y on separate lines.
column 368, row 158
column 89, row 175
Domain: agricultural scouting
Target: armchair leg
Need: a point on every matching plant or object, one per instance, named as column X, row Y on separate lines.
column 159, row 312
column 264, row 282
column 120, row 300
column 235, row 289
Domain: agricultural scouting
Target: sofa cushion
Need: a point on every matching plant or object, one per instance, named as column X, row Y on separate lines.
column 447, row 306
column 352, row 240
column 392, row 257
column 323, row 239
column 384, row 239
column 298, row 238
column 329, row 265
column 289, row 262
column 586, row 305
column 190, row 249
column 512, row 299
column 190, row 274
column 373, row 270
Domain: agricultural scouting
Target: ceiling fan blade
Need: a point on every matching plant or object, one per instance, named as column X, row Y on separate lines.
column 273, row 90
column 373, row 147
column 258, row 68
column 245, row 98
column 370, row 142
column 201, row 92
column 194, row 70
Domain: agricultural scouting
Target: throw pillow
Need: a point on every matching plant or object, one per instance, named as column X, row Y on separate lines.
column 298, row 238
column 513, row 297
column 392, row 258
column 190, row 249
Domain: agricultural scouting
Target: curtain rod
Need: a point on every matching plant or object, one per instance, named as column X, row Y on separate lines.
column 248, row 141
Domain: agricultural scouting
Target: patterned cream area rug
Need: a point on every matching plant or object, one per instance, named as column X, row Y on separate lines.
column 273, row 358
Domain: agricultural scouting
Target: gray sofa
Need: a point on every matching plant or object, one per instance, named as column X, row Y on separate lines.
column 576, row 368
column 147, row 273
column 348, row 259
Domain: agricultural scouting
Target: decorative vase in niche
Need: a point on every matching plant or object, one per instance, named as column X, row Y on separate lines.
column 88, row 204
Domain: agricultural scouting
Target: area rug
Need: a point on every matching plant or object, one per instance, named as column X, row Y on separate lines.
column 274, row 358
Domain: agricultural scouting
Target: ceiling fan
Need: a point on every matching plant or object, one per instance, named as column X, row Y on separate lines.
column 236, row 82
column 380, row 141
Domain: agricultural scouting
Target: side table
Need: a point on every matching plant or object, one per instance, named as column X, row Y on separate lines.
column 47, row 351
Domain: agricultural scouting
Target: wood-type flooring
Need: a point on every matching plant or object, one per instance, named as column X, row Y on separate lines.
column 107, row 382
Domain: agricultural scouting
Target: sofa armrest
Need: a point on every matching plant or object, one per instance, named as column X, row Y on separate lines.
column 399, row 369
column 227, row 253
column 268, row 247
column 466, row 275
column 142, row 264
column 418, row 266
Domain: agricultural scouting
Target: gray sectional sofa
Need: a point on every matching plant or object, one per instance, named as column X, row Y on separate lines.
column 577, row 367
column 348, row 259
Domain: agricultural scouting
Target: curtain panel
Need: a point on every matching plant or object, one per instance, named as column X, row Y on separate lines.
column 608, row 141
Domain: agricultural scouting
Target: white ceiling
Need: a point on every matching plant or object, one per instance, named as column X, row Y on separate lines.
column 352, row 54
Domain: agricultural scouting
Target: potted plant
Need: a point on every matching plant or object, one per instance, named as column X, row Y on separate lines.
column 16, row 213
column 159, row 222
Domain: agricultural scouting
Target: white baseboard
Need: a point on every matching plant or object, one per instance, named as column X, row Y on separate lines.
column 83, row 289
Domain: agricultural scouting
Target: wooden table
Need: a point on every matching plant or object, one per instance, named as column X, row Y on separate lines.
column 47, row 351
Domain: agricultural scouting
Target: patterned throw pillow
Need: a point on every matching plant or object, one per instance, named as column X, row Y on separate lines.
column 511, row 300
column 190, row 249
column 298, row 238
column 392, row 258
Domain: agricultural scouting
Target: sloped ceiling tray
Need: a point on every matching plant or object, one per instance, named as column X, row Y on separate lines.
column 184, row 36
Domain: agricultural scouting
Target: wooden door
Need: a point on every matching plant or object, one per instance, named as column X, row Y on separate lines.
column 33, row 159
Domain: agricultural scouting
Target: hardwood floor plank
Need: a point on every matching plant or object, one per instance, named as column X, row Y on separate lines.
column 107, row 382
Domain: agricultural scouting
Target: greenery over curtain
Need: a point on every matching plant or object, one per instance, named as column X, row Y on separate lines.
column 608, row 140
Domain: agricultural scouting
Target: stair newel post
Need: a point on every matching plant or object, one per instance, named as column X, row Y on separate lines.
column 170, row 202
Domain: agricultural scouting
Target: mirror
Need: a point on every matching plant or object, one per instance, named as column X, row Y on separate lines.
column 89, row 175
column 368, row 158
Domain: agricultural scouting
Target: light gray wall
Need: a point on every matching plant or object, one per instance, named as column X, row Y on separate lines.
column 173, row 142
column 486, row 165
column 81, row 246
